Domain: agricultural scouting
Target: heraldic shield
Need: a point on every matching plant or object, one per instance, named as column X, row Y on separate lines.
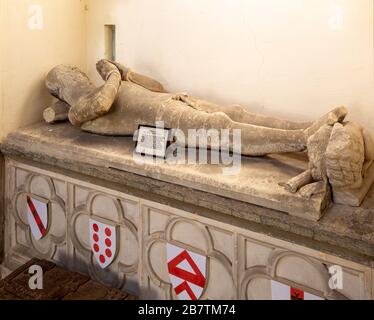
column 103, row 239
column 280, row 291
column 187, row 271
column 37, row 216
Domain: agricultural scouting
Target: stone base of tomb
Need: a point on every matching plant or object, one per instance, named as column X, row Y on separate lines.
column 244, row 234
column 355, row 197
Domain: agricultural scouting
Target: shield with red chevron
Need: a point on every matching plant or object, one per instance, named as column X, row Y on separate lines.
column 37, row 216
column 187, row 271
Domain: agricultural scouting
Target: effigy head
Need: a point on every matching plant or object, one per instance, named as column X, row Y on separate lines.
column 65, row 80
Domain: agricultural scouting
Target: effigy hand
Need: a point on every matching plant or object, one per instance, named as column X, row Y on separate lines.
column 146, row 82
column 124, row 71
column 105, row 68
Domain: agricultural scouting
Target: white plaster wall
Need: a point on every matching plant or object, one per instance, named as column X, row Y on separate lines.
column 28, row 54
column 281, row 57
column 291, row 58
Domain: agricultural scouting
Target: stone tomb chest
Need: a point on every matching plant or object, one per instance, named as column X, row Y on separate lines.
column 177, row 232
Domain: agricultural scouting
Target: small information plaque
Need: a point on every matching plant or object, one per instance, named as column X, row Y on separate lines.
column 152, row 141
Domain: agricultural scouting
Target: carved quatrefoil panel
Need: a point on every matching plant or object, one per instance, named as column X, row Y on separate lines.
column 111, row 210
column 289, row 268
column 53, row 245
column 191, row 236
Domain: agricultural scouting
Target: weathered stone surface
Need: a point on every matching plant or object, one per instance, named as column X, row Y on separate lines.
column 354, row 197
column 57, row 112
column 107, row 161
column 257, row 183
column 345, row 157
column 317, row 145
column 118, row 108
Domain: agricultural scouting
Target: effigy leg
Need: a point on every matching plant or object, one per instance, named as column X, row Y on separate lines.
column 256, row 140
column 240, row 114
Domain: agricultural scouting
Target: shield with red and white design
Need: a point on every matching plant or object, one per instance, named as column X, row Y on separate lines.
column 280, row 291
column 37, row 216
column 103, row 237
column 187, row 271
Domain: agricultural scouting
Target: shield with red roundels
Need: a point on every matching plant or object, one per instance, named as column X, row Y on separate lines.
column 103, row 237
column 187, row 271
column 37, row 216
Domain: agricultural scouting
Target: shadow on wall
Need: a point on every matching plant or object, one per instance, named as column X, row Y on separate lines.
column 37, row 98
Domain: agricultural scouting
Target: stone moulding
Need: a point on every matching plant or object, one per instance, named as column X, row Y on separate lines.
column 257, row 183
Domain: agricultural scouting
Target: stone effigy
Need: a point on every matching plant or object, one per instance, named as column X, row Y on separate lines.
column 340, row 153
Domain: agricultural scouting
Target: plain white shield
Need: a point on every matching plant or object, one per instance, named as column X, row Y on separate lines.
column 187, row 271
column 103, row 239
column 37, row 216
